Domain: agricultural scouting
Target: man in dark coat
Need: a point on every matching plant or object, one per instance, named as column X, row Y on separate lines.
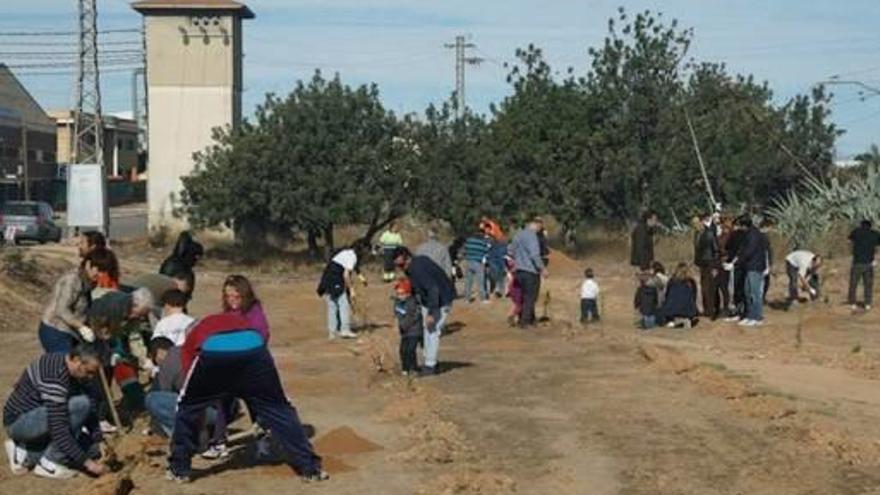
column 643, row 241
column 707, row 256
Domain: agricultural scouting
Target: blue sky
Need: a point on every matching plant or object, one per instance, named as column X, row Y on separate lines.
column 399, row 45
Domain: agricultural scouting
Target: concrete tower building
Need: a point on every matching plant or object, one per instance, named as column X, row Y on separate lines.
column 194, row 81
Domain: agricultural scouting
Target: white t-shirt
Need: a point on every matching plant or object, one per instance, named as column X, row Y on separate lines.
column 589, row 289
column 346, row 258
column 173, row 327
column 802, row 260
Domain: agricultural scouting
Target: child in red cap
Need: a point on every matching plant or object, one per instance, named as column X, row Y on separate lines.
column 409, row 321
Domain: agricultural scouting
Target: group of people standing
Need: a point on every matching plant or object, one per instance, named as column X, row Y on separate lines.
column 95, row 327
column 425, row 283
column 734, row 259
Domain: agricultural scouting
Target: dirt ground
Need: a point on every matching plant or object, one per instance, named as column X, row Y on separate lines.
column 788, row 408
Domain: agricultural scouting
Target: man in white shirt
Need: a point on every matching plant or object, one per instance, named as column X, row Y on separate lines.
column 589, row 298
column 802, row 267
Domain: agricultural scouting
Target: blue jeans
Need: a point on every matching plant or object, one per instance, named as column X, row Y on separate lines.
column 338, row 314
column 475, row 269
column 755, row 296
column 162, row 407
column 647, row 322
column 589, row 310
column 31, row 429
column 54, row 340
column 431, row 335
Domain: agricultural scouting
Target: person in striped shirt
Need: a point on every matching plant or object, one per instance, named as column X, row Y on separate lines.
column 476, row 250
column 45, row 415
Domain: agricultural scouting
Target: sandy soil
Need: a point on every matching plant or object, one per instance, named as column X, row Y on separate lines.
column 790, row 408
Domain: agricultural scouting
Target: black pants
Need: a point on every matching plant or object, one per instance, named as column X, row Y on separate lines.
column 531, row 287
column 408, row 346
column 739, row 290
column 708, row 291
column 251, row 376
column 865, row 273
column 589, row 310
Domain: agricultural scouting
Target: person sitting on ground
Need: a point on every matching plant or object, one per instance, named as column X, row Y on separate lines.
column 389, row 241
column 589, row 297
column 239, row 298
column 864, row 241
column 334, row 287
column 409, row 323
column 186, row 254
column 224, row 359
column 660, row 280
column 436, row 251
column 802, row 267
column 161, row 400
column 476, row 250
column 647, row 300
column 63, row 324
column 48, row 418
column 680, row 304
column 174, row 320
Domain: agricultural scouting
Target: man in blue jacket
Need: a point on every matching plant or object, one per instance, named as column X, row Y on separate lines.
column 753, row 257
column 434, row 292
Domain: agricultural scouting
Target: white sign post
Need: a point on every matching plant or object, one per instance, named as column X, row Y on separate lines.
column 87, row 197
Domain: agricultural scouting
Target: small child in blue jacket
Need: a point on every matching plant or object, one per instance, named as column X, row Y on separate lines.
column 409, row 321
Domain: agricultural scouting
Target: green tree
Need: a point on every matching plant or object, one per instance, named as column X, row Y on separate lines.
column 325, row 155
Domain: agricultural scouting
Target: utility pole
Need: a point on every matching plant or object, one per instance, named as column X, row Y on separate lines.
column 88, row 141
column 461, row 60
column 24, row 160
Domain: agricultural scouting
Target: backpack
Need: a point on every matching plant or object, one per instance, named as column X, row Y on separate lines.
column 332, row 281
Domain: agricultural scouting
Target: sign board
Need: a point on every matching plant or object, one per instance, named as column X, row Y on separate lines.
column 85, row 196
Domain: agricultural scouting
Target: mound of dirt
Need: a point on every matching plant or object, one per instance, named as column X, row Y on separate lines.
column 665, row 358
column 437, row 441
column 470, row 483
column 111, row 484
column 343, row 441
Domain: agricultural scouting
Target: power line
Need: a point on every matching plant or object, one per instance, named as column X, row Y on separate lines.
column 27, row 73
column 461, row 61
column 66, row 43
column 66, row 54
column 66, row 33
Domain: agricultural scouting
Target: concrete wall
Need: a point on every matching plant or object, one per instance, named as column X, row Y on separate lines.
column 194, row 85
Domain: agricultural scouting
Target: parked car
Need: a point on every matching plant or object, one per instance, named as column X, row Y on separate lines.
column 28, row 221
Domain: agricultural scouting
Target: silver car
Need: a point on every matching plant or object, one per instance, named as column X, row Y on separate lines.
column 28, row 221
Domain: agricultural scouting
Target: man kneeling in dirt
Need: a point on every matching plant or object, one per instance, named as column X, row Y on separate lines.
column 45, row 415
column 224, row 358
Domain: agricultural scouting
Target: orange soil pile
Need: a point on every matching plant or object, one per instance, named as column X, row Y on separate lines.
column 344, row 441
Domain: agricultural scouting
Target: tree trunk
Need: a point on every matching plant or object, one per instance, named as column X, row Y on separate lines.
column 312, row 240
column 251, row 233
column 329, row 243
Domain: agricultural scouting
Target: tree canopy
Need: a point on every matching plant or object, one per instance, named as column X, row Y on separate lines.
column 594, row 147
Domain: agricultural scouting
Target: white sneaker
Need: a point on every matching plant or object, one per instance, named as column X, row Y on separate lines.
column 108, row 428
column 867, row 307
column 17, row 457
column 854, row 307
column 746, row 323
column 757, row 323
column 53, row 470
column 214, row 452
column 347, row 334
column 332, row 336
column 732, row 319
column 671, row 324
